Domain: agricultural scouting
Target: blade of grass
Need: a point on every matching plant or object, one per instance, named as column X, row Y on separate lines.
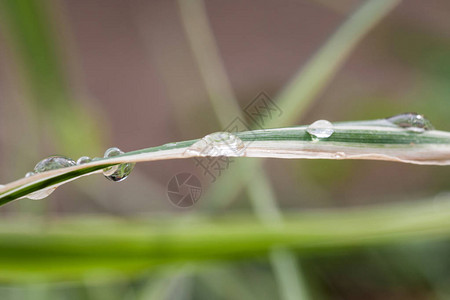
column 365, row 140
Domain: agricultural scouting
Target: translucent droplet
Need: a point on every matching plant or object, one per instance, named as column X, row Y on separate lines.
column 218, row 144
column 119, row 172
column 29, row 174
column 320, row 129
column 339, row 155
column 53, row 163
column 38, row 195
column 83, row 160
column 47, row 164
column 411, row 121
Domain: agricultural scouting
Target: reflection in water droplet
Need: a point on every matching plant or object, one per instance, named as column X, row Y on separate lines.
column 119, row 172
column 83, row 160
column 218, row 144
column 47, row 164
column 53, row 163
column 411, row 121
column 29, row 174
column 41, row 194
column 320, row 129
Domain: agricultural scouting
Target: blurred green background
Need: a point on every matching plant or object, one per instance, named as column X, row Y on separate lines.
column 78, row 76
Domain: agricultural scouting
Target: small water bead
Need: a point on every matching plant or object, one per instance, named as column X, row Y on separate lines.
column 84, row 160
column 29, row 174
column 320, row 129
column 53, row 163
column 339, row 155
column 218, row 144
column 411, row 121
column 119, row 172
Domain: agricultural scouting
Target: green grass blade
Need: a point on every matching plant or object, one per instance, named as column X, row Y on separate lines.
column 373, row 140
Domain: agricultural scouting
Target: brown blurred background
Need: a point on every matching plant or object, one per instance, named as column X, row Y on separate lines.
column 82, row 76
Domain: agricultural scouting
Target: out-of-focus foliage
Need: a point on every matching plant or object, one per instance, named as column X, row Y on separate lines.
column 135, row 62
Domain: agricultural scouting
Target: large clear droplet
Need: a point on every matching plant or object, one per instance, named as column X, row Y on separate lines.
column 47, row 164
column 411, row 121
column 218, row 144
column 83, row 160
column 53, row 163
column 119, row 172
column 41, row 194
column 320, row 129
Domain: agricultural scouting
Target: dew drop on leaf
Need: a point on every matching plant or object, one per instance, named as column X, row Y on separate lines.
column 47, row 164
column 119, row 172
column 411, row 121
column 53, row 163
column 218, row 144
column 339, row 155
column 83, row 160
column 320, row 129
column 41, row 194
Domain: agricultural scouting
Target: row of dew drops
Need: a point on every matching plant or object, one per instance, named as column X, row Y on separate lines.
column 215, row 144
column 114, row 173
column 413, row 122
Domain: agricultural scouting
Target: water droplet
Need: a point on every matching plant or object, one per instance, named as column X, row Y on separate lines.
column 320, row 129
column 53, row 163
column 83, row 160
column 38, row 195
column 218, row 144
column 411, row 121
column 47, row 164
column 119, row 172
column 29, row 174
column 339, row 155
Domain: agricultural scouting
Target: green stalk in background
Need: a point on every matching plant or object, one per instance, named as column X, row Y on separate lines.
column 226, row 107
column 70, row 127
column 310, row 81
column 69, row 249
